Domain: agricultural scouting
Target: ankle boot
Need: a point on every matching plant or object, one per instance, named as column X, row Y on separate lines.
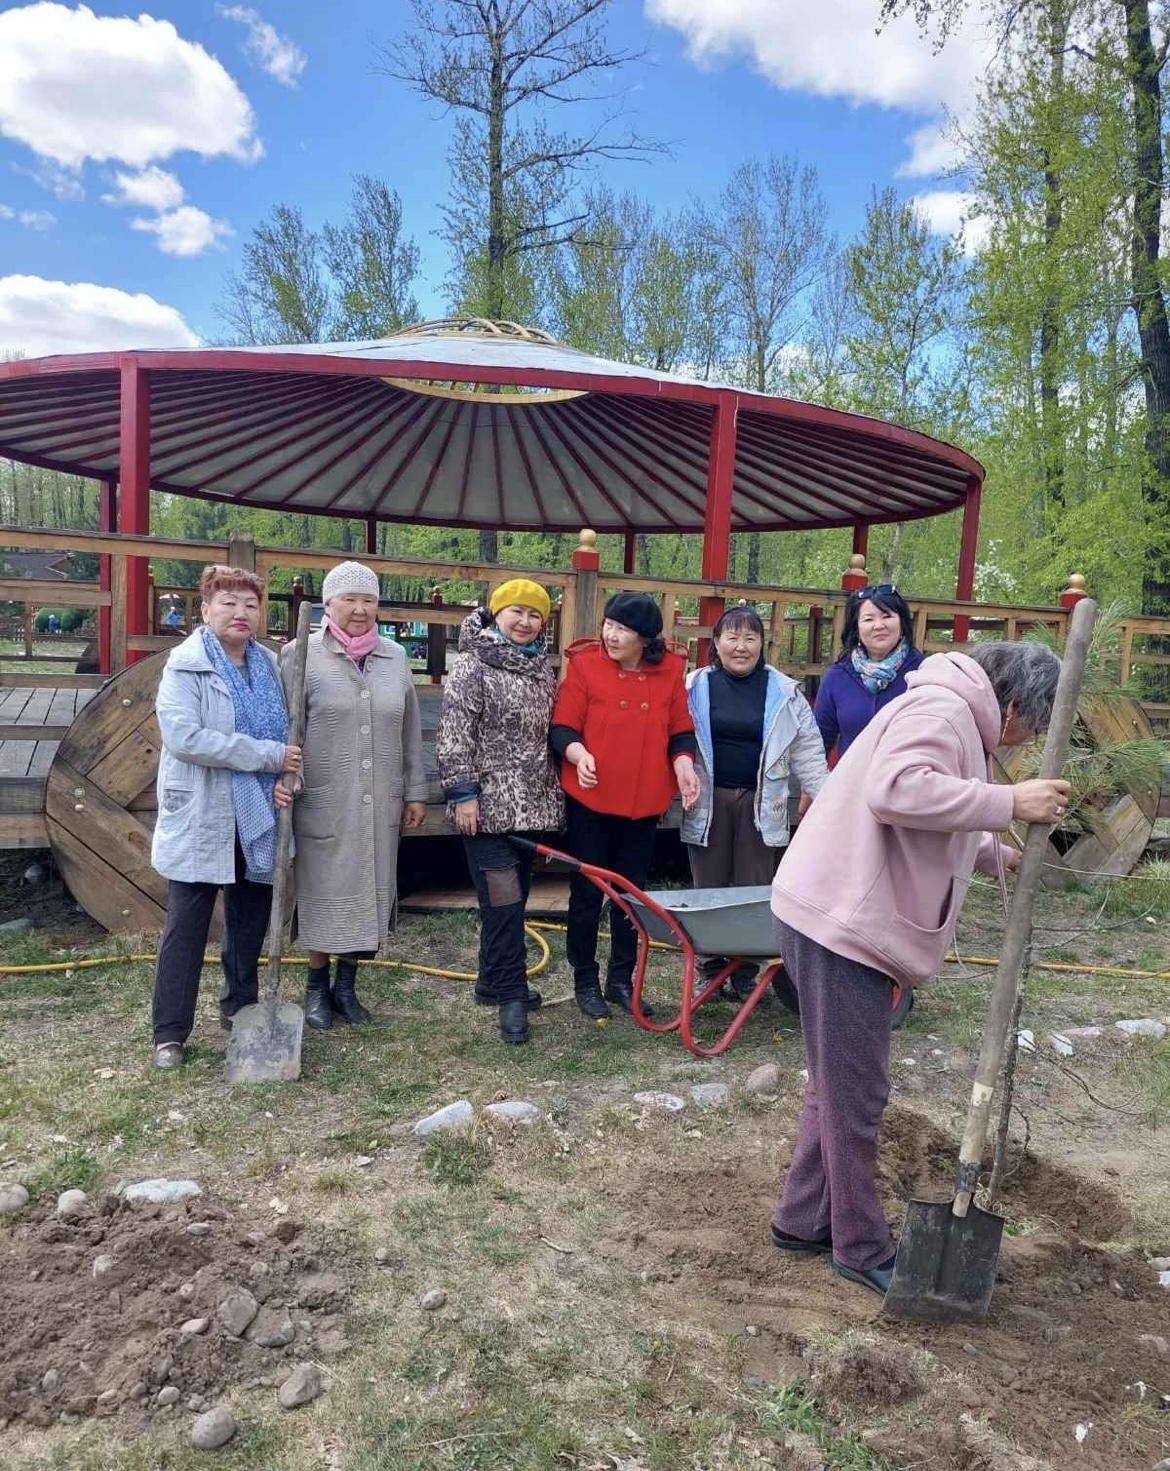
column 621, row 993
column 489, row 996
column 345, row 1001
column 592, row 1003
column 514, row 1021
column 318, row 1012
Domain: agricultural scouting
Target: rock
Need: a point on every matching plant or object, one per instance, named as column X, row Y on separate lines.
column 765, row 1079
column 1160, row 1263
column 103, row 1265
column 667, row 1102
column 193, row 1326
column 16, row 926
column 320, row 1290
column 1060, row 1044
column 36, row 873
column 236, row 1310
column 107, row 1401
column 72, row 1203
column 1163, row 1464
column 1083, row 1034
column 215, row 1427
column 271, row 1328
column 382, row 1255
column 50, row 1379
column 161, row 1191
column 199, row 1228
column 286, row 1230
column 432, row 1301
column 458, row 1115
column 710, row 1095
column 1144, row 1026
column 514, row 1110
column 13, row 1198
column 186, row 1291
column 168, row 1395
column 1156, row 1342
column 301, row 1386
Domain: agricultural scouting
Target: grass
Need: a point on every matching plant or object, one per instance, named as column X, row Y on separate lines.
column 791, row 1409
column 73, row 1167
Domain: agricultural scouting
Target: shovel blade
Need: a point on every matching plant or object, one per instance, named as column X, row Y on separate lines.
column 265, row 1043
column 946, row 1264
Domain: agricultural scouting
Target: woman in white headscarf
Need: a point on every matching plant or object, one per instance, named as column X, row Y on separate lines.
column 364, row 782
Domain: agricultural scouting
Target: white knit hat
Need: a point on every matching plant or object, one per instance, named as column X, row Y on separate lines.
column 348, row 577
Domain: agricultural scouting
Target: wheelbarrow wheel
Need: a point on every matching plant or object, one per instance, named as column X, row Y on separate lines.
column 903, row 1005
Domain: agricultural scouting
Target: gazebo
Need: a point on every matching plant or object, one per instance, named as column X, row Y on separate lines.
column 471, row 424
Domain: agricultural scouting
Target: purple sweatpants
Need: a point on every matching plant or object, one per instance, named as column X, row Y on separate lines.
column 831, row 1186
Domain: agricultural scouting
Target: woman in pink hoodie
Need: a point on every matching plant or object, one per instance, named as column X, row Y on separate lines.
column 869, row 893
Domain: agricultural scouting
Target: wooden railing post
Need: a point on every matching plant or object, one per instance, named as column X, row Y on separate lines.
column 295, row 599
column 586, row 565
column 241, row 553
column 1074, row 592
column 436, row 642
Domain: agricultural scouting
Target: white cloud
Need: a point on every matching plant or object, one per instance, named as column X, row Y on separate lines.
column 948, row 212
column 153, row 188
column 832, row 49
column 38, row 317
column 282, row 59
column 184, row 231
column 77, row 86
column 35, row 219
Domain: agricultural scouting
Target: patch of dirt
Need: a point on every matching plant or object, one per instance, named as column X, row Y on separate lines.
column 75, row 1343
column 1062, row 1345
column 47, row 902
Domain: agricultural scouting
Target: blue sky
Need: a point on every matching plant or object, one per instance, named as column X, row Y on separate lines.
column 138, row 149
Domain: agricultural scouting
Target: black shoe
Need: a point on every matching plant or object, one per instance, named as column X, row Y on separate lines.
column 621, row 993
column 785, row 1242
column 877, row 1279
column 743, row 982
column 489, row 996
column 318, row 1008
column 592, row 1003
column 514, row 1022
column 344, row 999
column 225, row 1019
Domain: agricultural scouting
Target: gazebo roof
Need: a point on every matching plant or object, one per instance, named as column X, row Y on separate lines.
column 484, row 427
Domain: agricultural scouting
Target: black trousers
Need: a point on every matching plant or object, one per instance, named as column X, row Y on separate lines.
column 246, row 908
column 502, row 874
column 624, row 845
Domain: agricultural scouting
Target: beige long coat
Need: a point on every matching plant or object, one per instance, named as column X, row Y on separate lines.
column 362, row 761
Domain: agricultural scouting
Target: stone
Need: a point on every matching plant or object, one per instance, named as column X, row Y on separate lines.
column 198, row 1228
column 167, row 1395
column 513, row 1110
column 1144, row 1026
column 186, row 1291
column 432, row 1301
column 213, row 1428
column 1060, row 1044
column 50, row 1379
column 162, row 1191
column 710, row 1095
column 320, row 1290
column 301, row 1386
column 765, row 1079
column 454, row 1116
column 194, row 1326
column 72, row 1203
column 36, row 873
column 13, row 1198
column 382, row 1255
column 667, row 1102
column 271, row 1328
column 286, row 1230
column 236, row 1310
column 17, row 926
column 1156, row 1342
column 103, row 1265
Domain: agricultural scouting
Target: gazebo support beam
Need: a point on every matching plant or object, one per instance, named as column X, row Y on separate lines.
column 968, row 549
column 861, row 538
column 717, row 517
column 372, row 537
column 134, row 489
column 630, row 552
column 107, row 521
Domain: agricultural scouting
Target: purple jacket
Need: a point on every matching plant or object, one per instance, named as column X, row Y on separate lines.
column 845, row 707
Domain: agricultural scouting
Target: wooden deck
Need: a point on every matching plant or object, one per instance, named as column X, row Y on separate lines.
column 24, row 763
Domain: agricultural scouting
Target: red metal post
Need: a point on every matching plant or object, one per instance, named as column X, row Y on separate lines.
column 134, row 495
column 630, row 557
column 968, row 547
column 861, row 540
column 717, row 519
column 107, row 521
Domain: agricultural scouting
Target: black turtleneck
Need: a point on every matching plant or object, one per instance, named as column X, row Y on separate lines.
column 737, row 725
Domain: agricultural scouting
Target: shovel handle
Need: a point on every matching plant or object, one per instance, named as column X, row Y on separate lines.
column 282, row 872
column 1019, row 923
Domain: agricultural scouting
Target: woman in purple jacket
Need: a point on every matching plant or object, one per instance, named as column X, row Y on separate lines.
column 877, row 653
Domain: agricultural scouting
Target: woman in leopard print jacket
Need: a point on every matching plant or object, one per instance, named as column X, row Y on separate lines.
column 498, row 774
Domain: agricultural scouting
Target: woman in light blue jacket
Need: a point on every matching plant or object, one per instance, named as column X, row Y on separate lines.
column 756, row 736
column 224, row 728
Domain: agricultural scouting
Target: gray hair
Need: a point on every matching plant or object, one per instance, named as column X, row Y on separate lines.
column 1021, row 674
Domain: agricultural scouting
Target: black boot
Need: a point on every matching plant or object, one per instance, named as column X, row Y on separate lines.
column 621, row 993
column 318, row 1012
column 489, row 996
column 345, row 1001
column 592, row 1002
column 514, row 1022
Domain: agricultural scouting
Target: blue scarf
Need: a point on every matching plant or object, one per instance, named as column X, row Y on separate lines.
column 258, row 702
column 877, row 674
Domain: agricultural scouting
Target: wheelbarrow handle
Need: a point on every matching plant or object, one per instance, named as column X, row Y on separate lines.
column 544, row 851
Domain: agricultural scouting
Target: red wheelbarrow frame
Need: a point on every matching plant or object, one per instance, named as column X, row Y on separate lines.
column 618, row 891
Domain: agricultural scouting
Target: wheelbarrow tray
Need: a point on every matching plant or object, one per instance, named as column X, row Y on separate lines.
column 732, row 922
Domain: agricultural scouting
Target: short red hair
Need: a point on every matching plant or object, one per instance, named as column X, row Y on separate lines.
column 218, row 578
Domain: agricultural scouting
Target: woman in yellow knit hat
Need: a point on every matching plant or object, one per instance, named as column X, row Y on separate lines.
column 498, row 774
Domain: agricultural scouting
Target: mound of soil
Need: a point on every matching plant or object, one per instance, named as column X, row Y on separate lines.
column 137, row 1308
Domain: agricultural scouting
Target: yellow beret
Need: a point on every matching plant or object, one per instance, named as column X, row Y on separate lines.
column 520, row 593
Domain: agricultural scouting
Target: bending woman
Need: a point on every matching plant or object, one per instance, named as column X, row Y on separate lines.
column 877, row 653
column 224, row 730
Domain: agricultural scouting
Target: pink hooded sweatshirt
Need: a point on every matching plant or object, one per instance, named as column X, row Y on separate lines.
column 879, row 866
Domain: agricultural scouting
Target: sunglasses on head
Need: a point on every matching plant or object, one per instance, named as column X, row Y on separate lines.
column 883, row 589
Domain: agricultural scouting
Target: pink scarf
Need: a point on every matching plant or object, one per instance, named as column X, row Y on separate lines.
column 356, row 646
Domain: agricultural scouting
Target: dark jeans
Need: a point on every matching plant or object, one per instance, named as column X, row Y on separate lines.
column 502, row 874
column 246, row 908
column 624, row 845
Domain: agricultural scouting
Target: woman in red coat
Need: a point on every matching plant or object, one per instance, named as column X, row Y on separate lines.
column 624, row 734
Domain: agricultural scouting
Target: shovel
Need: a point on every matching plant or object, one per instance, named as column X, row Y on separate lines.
column 265, row 1041
column 948, row 1253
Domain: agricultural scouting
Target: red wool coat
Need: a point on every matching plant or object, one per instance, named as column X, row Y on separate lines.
column 626, row 720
